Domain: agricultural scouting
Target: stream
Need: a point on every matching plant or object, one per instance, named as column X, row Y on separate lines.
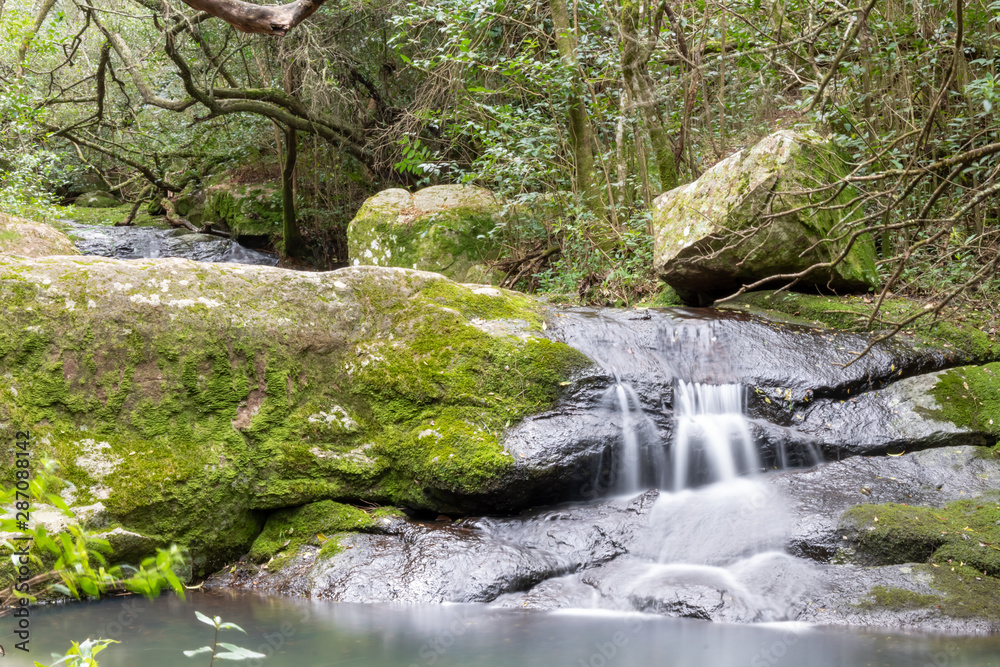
column 690, row 516
column 140, row 242
column 299, row 633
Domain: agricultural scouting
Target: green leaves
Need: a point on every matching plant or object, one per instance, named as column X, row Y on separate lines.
column 237, row 653
column 232, row 651
column 82, row 654
column 74, row 561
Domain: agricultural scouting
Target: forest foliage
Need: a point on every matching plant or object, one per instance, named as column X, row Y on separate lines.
column 577, row 113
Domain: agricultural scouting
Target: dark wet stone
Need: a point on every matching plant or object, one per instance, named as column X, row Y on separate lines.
column 469, row 561
column 141, row 242
column 818, row 497
column 844, row 598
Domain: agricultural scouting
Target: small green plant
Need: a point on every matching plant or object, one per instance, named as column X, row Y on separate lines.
column 81, row 655
column 74, row 561
column 232, row 652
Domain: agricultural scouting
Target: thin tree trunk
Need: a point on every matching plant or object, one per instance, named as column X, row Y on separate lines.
column 289, row 227
column 580, row 136
column 22, row 48
column 640, row 85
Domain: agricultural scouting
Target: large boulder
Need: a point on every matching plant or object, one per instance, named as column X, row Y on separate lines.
column 187, row 399
column 252, row 213
column 96, row 199
column 752, row 216
column 27, row 238
column 81, row 181
column 444, row 228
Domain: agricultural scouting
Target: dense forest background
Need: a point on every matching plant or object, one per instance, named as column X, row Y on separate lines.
column 577, row 114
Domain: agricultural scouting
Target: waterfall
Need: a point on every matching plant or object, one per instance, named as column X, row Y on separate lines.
column 712, row 440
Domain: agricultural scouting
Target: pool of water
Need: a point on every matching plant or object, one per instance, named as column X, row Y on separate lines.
column 299, row 633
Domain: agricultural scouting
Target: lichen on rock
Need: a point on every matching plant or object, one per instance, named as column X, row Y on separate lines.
column 444, row 228
column 763, row 211
column 191, row 399
column 27, row 238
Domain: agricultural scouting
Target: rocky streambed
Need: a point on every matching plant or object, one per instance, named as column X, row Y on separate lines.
column 260, row 416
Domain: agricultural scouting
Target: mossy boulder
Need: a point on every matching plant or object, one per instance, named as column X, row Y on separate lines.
column 252, row 211
column 444, row 228
column 191, row 206
column 27, row 238
column 96, row 199
column 81, row 182
column 757, row 214
column 188, row 400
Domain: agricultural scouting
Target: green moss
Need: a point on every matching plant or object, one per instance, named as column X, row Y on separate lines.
column 965, row 532
column 246, row 210
column 970, row 397
column 666, row 298
column 489, row 306
column 105, row 216
column 213, row 416
column 968, row 592
column 896, row 599
column 331, row 547
column 961, row 333
column 454, row 241
column 289, row 529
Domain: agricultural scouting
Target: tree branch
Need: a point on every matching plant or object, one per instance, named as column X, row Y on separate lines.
column 260, row 19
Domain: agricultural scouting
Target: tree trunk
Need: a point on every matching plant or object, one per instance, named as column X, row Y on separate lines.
column 581, row 139
column 289, row 227
column 22, row 48
column 634, row 60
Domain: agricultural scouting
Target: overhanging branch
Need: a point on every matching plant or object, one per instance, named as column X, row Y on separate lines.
column 260, row 19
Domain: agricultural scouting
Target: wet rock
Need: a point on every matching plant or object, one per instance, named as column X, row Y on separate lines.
column 804, row 404
column 896, row 596
column 791, row 364
column 470, row 561
column 819, row 497
column 712, row 236
column 443, row 228
column 146, row 242
column 904, row 416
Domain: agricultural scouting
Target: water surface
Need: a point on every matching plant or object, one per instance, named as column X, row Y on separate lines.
column 299, row 633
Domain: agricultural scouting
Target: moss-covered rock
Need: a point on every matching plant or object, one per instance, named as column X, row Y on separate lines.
column 752, row 216
column 80, row 182
column 970, row 397
column 961, row 333
column 246, row 210
column 191, row 206
column 32, row 239
column 97, row 199
column 963, row 533
column 188, row 399
column 316, row 524
column 444, row 229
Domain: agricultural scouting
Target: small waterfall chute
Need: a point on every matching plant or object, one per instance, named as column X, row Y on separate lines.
column 712, row 440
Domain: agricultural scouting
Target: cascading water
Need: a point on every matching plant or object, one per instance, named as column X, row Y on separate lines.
column 712, row 440
column 716, row 530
